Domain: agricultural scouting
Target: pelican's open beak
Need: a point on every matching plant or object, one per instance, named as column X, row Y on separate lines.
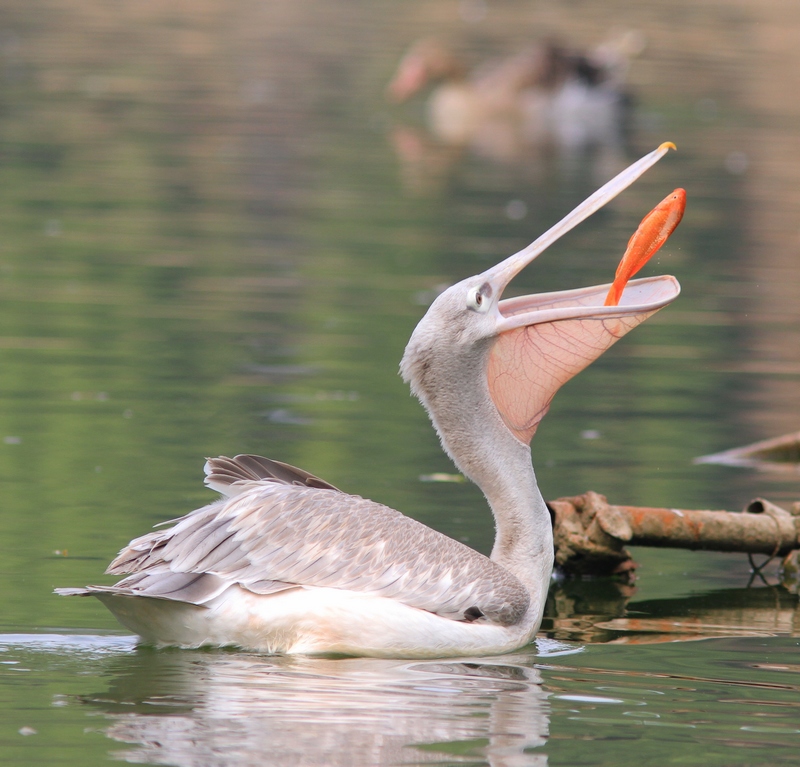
column 543, row 340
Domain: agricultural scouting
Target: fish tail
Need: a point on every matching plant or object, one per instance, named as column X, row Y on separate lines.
column 615, row 293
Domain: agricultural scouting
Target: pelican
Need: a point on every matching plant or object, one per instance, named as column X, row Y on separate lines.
column 284, row 562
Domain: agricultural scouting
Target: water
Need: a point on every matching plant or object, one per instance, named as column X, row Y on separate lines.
column 217, row 238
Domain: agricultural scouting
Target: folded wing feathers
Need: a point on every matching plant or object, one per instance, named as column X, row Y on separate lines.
column 279, row 532
column 225, row 474
column 194, row 588
column 200, row 543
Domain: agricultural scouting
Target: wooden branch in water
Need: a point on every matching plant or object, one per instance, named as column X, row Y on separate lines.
column 591, row 534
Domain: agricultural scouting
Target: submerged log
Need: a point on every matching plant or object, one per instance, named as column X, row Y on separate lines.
column 591, row 534
column 606, row 610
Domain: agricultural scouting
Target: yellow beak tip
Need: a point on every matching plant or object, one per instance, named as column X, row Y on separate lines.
column 668, row 145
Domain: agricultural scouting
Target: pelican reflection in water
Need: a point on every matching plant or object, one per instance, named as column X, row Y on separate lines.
column 286, row 563
column 235, row 708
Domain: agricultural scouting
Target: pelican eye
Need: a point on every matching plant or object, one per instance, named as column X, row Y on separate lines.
column 478, row 298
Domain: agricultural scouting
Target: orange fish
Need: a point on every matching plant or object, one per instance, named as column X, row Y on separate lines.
column 652, row 233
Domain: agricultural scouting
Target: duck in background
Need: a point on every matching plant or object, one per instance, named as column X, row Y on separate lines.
column 544, row 96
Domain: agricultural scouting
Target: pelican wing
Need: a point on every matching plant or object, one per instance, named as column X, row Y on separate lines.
column 281, row 532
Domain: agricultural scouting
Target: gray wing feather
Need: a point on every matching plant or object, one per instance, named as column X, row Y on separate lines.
column 196, row 588
column 275, row 534
column 224, row 474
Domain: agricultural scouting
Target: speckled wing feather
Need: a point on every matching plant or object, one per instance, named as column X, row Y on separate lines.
column 274, row 535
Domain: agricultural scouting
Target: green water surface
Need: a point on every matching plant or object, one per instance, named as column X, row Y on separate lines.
column 212, row 241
